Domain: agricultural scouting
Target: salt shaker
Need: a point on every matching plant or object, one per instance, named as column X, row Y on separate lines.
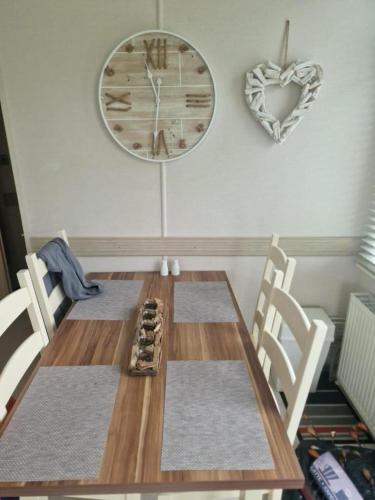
column 164, row 267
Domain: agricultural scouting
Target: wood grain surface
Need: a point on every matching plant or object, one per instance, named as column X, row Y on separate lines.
column 131, row 461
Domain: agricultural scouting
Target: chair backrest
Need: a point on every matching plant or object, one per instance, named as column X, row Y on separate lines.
column 11, row 307
column 276, row 260
column 309, row 337
column 49, row 303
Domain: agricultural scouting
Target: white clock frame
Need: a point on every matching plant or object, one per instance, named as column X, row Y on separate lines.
column 133, row 153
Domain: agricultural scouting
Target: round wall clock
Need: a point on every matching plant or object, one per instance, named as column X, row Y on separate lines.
column 157, row 96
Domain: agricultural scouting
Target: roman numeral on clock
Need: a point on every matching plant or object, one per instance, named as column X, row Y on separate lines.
column 118, row 103
column 156, row 53
column 159, row 143
column 199, row 100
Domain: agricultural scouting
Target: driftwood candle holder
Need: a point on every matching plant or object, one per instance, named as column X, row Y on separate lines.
column 146, row 349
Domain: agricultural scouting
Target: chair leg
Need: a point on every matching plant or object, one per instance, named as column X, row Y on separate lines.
column 201, row 495
column 131, row 496
column 251, row 495
column 274, row 495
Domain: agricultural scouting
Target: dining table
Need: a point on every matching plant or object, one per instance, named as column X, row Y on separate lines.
column 131, row 462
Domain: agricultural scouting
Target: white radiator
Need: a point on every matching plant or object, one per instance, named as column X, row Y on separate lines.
column 356, row 371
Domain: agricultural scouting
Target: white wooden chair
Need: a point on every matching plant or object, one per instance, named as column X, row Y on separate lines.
column 295, row 384
column 11, row 307
column 276, row 260
column 48, row 303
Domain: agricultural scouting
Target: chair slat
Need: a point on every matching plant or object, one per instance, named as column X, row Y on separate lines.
column 280, row 362
column 277, row 260
column 41, row 293
column 12, row 306
column 41, row 266
column 17, row 366
column 278, row 257
column 56, row 297
column 48, row 304
column 10, row 309
column 266, row 287
column 33, row 309
column 258, row 319
column 304, row 374
column 293, row 315
column 62, row 234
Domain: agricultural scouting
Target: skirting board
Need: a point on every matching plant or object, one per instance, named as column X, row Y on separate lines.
column 230, row 246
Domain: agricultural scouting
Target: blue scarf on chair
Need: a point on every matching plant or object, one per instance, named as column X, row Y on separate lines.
column 59, row 259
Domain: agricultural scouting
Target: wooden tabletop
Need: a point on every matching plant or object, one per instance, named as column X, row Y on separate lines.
column 131, row 461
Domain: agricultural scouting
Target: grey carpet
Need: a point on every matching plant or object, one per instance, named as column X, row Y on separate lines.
column 211, row 420
column 203, row 302
column 116, row 302
column 60, row 428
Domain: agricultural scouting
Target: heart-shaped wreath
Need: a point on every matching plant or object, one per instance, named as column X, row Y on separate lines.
column 306, row 74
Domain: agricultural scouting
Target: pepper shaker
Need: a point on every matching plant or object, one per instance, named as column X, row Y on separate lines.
column 175, row 267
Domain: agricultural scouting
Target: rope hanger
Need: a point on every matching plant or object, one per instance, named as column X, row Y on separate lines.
column 285, row 45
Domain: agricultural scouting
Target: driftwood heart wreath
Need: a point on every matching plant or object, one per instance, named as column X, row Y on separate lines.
column 307, row 75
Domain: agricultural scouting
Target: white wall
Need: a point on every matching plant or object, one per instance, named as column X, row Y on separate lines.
column 237, row 183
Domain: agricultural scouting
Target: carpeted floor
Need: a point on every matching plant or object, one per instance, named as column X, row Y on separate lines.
column 330, row 424
column 327, row 411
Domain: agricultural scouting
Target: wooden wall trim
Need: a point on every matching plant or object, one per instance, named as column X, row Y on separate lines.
column 230, row 246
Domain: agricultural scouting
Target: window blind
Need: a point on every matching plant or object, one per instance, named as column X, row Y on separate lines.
column 366, row 257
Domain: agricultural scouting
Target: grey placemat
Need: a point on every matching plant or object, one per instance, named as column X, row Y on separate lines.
column 116, row 302
column 211, row 420
column 60, row 428
column 203, row 302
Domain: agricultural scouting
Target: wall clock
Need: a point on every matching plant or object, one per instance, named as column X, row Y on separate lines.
column 157, row 96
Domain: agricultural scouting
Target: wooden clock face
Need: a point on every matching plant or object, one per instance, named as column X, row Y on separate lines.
column 157, row 96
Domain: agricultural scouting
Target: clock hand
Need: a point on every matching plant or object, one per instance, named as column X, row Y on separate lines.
column 157, row 103
column 158, row 83
column 149, row 76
